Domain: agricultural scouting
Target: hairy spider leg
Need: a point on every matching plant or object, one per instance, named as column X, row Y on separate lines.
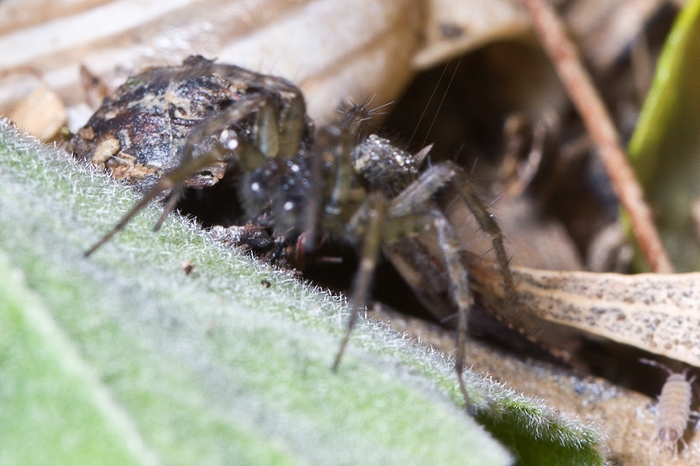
column 413, row 199
column 307, row 240
column 326, row 204
column 345, row 195
column 337, row 141
column 447, row 175
column 462, row 296
column 511, row 311
column 368, row 222
column 277, row 137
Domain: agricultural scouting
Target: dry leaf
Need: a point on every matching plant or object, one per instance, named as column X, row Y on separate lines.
column 332, row 49
column 655, row 312
column 455, row 26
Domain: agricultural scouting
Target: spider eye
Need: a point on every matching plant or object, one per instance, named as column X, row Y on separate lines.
column 229, row 138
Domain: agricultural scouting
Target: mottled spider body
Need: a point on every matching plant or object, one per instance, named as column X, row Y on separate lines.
column 140, row 131
column 338, row 182
column 152, row 114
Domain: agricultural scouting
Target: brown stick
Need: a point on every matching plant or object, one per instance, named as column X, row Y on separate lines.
column 561, row 50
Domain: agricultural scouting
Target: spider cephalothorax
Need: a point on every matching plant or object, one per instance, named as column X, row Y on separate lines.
column 222, row 124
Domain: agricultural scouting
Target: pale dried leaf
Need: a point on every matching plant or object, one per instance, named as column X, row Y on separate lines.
column 655, row 312
column 334, row 50
column 455, row 26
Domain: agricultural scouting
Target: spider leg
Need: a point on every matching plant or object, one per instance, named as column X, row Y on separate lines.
column 282, row 136
column 449, row 247
column 448, row 175
column 462, row 296
column 293, row 123
column 341, row 193
column 436, row 179
column 336, row 143
column 313, row 205
column 249, row 156
column 511, row 311
column 369, row 221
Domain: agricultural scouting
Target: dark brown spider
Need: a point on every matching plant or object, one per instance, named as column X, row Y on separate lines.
column 203, row 123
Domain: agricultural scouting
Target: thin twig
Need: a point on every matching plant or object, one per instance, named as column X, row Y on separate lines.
column 585, row 98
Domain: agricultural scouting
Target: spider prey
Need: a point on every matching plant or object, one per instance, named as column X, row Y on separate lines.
column 196, row 124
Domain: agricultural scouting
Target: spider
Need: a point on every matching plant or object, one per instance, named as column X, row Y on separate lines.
column 204, row 123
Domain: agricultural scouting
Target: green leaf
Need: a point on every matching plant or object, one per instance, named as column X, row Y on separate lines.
column 124, row 359
column 665, row 147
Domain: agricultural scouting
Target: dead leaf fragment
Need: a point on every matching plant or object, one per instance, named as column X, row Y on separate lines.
column 659, row 313
column 333, row 50
column 455, row 26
